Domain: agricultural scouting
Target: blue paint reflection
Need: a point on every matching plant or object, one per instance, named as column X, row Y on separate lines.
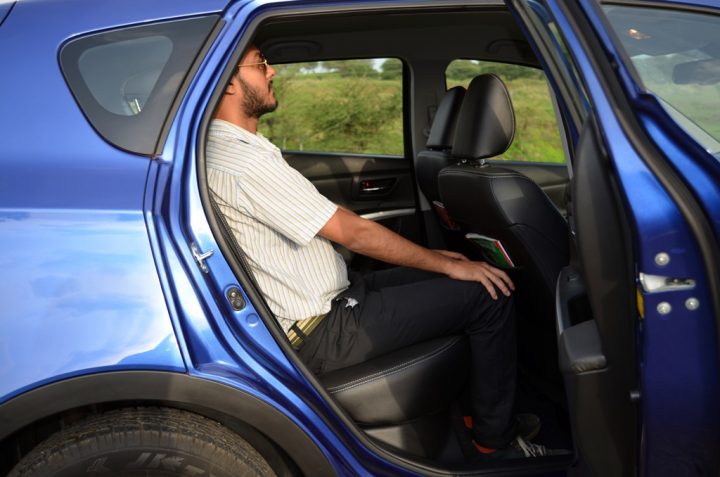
column 80, row 292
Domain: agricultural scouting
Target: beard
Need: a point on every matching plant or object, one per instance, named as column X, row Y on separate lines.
column 254, row 104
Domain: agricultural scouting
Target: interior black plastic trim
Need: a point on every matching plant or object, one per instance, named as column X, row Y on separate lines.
column 569, row 286
column 580, row 349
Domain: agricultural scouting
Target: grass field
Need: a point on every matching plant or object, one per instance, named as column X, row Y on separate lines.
column 364, row 115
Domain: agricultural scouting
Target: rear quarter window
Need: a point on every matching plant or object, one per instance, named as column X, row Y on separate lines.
column 125, row 80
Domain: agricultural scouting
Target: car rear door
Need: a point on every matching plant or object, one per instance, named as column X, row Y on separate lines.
column 637, row 312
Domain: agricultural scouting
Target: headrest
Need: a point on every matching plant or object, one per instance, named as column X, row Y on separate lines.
column 486, row 122
column 443, row 125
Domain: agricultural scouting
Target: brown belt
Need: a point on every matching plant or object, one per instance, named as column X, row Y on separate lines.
column 300, row 330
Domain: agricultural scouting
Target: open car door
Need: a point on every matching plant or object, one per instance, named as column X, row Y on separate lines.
column 637, row 309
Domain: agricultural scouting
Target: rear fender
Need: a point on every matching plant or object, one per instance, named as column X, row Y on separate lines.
column 228, row 405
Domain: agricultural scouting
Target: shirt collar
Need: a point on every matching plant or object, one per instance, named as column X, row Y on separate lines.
column 244, row 135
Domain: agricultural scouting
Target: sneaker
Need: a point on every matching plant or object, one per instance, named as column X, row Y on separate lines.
column 519, row 449
column 528, row 425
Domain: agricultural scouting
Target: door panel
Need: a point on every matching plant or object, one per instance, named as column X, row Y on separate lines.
column 363, row 184
column 635, row 219
column 379, row 188
column 604, row 345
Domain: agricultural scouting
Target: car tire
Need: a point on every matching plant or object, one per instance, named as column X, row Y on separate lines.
column 144, row 441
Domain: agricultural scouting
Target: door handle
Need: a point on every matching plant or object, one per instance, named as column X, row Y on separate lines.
column 376, row 186
column 374, row 189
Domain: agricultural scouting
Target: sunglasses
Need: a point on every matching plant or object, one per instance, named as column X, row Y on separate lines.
column 262, row 66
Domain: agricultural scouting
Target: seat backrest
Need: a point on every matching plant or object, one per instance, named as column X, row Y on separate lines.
column 497, row 201
column 504, row 204
column 436, row 154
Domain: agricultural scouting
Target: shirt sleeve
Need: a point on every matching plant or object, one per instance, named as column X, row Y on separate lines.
column 283, row 199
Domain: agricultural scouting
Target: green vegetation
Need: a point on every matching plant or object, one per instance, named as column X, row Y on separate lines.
column 350, row 106
column 336, row 112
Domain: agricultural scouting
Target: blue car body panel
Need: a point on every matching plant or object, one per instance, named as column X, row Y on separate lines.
column 76, row 206
column 77, row 276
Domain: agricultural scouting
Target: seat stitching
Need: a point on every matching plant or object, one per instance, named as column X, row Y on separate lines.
column 390, row 371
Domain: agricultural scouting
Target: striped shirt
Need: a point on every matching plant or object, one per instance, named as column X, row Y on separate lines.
column 275, row 214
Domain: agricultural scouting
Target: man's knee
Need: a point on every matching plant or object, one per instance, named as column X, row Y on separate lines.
column 494, row 311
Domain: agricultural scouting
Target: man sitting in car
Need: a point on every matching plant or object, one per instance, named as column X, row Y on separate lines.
column 335, row 318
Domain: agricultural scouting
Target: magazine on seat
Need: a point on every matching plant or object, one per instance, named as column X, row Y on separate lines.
column 492, row 249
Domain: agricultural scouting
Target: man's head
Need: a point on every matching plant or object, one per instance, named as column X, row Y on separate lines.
column 249, row 94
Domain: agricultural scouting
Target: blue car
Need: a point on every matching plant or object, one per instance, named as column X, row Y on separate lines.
column 575, row 143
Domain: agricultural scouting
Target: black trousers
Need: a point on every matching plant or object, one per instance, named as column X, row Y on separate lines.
column 391, row 309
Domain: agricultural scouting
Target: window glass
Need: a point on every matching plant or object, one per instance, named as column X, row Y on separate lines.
column 123, row 86
column 556, row 56
column 677, row 56
column 349, row 106
column 537, row 137
column 125, row 80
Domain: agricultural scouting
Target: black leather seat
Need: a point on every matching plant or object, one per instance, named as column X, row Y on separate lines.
column 405, row 398
column 403, row 385
column 394, row 397
column 506, row 205
column 401, row 398
column 437, row 154
column 497, row 201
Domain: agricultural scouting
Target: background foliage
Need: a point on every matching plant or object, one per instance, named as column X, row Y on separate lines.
column 356, row 106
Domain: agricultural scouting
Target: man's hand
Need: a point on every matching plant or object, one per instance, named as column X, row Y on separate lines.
column 484, row 273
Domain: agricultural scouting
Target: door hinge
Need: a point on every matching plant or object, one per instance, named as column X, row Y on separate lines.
column 657, row 283
column 201, row 257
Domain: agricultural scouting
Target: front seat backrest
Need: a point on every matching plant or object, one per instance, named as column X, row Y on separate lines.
column 504, row 204
column 497, row 201
column 437, row 153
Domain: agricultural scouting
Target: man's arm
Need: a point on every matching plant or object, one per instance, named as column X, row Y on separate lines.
column 369, row 238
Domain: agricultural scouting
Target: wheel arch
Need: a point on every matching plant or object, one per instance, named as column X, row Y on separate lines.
column 29, row 418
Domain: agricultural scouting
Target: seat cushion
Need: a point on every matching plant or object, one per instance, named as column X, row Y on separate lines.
column 404, row 384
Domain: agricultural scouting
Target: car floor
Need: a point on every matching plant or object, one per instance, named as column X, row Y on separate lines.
column 554, row 433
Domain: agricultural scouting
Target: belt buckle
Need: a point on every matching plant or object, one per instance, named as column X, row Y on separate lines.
column 301, row 330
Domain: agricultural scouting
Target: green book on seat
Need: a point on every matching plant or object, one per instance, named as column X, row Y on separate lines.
column 492, row 249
